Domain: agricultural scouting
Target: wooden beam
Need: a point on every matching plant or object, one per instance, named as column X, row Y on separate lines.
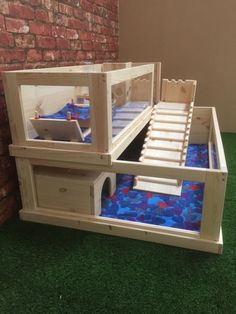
column 60, row 155
column 14, row 108
column 213, row 205
column 122, row 75
column 51, row 79
column 117, row 227
column 101, row 112
column 218, row 142
column 26, row 183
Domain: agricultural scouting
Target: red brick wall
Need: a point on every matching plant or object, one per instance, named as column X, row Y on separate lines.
column 46, row 33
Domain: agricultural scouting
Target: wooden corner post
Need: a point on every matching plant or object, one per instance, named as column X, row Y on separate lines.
column 14, row 108
column 26, row 183
column 214, row 195
column 101, row 111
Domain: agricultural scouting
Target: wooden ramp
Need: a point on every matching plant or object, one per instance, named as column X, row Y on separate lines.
column 166, row 142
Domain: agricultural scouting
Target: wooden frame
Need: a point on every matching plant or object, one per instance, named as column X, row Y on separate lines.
column 100, row 86
column 208, row 239
column 102, row 154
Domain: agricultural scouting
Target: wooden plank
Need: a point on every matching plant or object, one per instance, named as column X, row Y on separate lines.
column 58, row 129
column 67, row 69
column 117, row 228
column 60, row 155
column 171, row 118
column 172, row 106
column 62, row 192
column 26, row 183
column 144, row 226
column 122, row 75
column 210, row 155
column 213, row 204
column 157, row 180
column 210, row 147
column 133, row 168
column 111, row 66
column 162, row 135
column 172, row 112
column 101, row 112
column 157, row 82
column 156, row 161
column 200, row 125
column 174, row 127
column 162, row 154
column 14, row 108
column 159, row 187
column 178, row 91
column 61, row 145
column 164, row 145
column 49, row 78
column 218, row 142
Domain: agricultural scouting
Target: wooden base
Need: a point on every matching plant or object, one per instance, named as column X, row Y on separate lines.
column 128, row 229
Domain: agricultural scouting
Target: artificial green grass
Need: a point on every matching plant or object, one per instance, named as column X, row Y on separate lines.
column 46, row 269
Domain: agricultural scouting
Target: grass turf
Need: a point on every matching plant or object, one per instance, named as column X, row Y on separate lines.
column 46, row 269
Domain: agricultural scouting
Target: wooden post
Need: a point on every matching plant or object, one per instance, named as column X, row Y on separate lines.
column 26, row 183
column 101, row 111
column 157, row 82
column 14, row 108
column 210, row 145
column 214, row 194
column 151, row 89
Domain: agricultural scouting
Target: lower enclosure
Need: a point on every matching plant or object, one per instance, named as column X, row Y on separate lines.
column 106, row 202
column 72, row 198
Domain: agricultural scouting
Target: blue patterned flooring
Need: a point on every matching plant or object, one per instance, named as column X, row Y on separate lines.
column 182, row 212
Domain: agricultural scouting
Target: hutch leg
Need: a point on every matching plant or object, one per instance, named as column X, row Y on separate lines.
column 26, row 182
column 214, row 194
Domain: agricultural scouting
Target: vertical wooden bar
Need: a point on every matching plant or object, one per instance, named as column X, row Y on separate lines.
column 157, row 82
column 26, row 182
column 210, row 146
column 214, row 194
column 14, row 108
column 218, row 143
column 151, row 88
column 101, row 111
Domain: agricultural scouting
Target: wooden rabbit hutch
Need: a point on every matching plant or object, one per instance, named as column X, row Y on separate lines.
column 64, row 160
